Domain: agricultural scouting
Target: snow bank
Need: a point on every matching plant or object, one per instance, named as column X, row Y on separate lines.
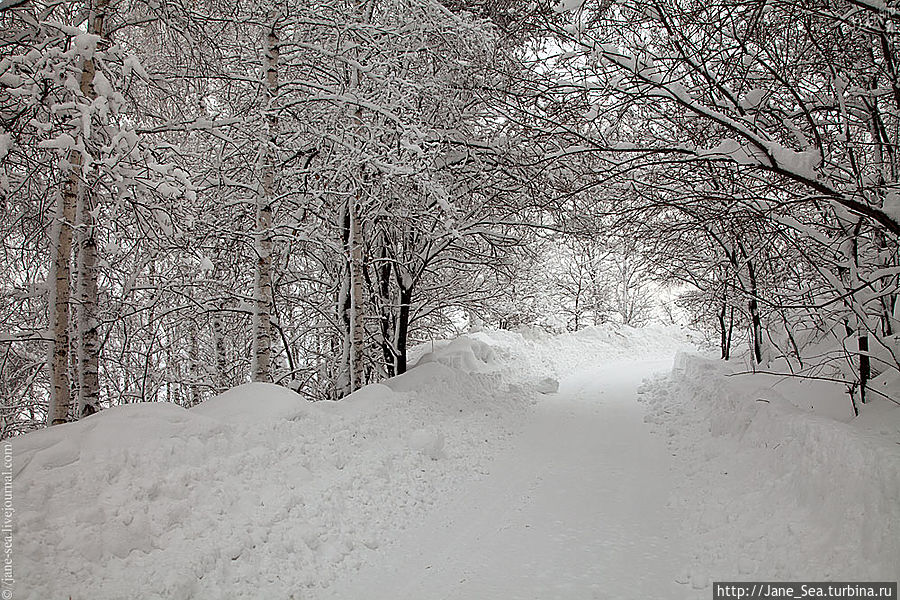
column 254, row 402
column 256, row 493
column 767, row 459
column 534, row 351
column 466, row 353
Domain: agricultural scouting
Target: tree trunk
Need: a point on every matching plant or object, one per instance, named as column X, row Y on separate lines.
column 61, row 400
column 723, row 331
column 402, row 334
column 194, row 356
column 218, row 328
column 342, row 383
column 88, row 331
column 356, row 334
column 756, row 334
column 61, row 394
column 865, row 366
column 858, row 326
column 357, row 299
column 387, row 319
column 730, row 332
column 264, row 297
column 753, row 307
column 577, row 306
column 793, row 341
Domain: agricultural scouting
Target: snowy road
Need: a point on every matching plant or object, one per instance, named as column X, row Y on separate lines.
column 575, row 509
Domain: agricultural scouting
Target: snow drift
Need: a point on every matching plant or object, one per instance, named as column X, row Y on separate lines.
column 256, row 493
column 799, row 495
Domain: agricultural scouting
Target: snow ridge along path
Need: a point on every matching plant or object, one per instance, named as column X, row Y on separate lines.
column 575, row 508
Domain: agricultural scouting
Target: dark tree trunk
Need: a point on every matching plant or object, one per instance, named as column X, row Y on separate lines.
column 865, row 366
column 723, row 330
column 403, row 328
column 753, row 307
column 386, row 319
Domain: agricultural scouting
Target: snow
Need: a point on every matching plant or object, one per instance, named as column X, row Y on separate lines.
column 567, row 5
column 5, row 144
column 102, row 86
column 254, row 494
column 548, row 385
column 86, row 44
column 791, row 489
column 62, row 142
column 753, row 99
column 464, row 353
column 574, row 508
column 206, row 265
column 130, row 64
column 892, row 204
column 254, row 402
column 429, row 442
column 502, row 465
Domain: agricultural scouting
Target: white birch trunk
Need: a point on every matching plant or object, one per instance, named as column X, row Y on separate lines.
column 87, row 325
column 356, row 336
column 262, row 334
column 357, row 301
column 60, row 297
column 218, row 327
column 195, row 364
column 60, row 399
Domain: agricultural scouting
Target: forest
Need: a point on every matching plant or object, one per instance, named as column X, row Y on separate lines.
column 198, row 194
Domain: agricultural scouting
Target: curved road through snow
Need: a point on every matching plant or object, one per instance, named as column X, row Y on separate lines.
column 576, row 508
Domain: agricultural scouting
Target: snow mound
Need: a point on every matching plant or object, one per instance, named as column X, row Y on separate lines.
column 361, row 403
column 256, row 493
column 803, row 492
column 90, row 439
column 531, row 351
column 420, row 375
column 254, row 402
column 464, row 353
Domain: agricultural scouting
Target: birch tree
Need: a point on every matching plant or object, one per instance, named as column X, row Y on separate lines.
column 264, row 299
column 74, row 193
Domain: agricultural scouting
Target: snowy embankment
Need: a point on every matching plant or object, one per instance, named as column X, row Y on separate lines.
column 772, row 489
column 260, row 494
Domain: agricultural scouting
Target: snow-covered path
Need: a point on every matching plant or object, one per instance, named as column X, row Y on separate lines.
column 576, row 508
column 457, row 480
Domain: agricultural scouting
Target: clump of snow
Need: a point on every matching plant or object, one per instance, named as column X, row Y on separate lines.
column 753, row 99
column 548, row 385
column 5, row 144
column 206, row 265
column 465, row 353
column 891, row 204
column 86, row 44
column 791, row 485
